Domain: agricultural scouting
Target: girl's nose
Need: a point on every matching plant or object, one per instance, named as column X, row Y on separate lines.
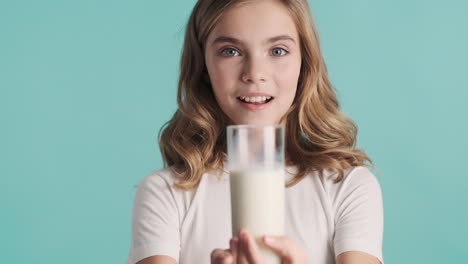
column 255, row 70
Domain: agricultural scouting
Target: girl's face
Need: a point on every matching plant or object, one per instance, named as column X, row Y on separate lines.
column 253, row 60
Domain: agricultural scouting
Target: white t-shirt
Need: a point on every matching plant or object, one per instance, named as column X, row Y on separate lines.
column 323, row 218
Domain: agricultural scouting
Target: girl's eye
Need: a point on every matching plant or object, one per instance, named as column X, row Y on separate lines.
column 229, row 52
column 278, row 52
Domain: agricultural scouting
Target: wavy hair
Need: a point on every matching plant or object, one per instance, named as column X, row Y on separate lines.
column 319, row 136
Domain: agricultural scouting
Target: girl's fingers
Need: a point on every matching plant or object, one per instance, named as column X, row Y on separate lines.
column 233, row 247
column 249, row 247
column 221, row 256
column 286, row 248
column 248, row 251
column 280, row 245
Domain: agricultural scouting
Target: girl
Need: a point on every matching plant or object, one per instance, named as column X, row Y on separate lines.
column 257, row 62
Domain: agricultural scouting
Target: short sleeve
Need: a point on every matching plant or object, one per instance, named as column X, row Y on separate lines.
column 155, row 221
column 359, row 214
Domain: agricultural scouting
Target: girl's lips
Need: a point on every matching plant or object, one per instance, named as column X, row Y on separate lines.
column 255, row 106
column 255, row 94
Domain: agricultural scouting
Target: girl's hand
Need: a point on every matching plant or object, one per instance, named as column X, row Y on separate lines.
column 245, row 250
column 226, row 256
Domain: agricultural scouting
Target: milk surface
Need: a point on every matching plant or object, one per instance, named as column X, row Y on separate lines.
column 257, row 204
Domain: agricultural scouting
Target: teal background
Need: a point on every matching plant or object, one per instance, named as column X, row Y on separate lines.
column 86, row 85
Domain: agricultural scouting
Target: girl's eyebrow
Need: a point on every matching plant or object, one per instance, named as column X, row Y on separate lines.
column 222, row 39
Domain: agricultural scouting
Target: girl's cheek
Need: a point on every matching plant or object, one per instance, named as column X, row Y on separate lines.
column 286, row 74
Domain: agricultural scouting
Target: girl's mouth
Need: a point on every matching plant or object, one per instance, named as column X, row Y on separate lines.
column 255, row 100
column 255, row 103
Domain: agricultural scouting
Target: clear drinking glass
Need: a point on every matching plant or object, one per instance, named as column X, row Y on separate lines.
column 256, row 168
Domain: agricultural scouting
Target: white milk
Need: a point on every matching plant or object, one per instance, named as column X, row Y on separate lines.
column 257, row 204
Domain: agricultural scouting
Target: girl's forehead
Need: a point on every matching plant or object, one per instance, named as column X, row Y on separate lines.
column 262, row 21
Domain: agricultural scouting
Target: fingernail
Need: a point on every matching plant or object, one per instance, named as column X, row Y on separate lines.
column 233, row 243
column 268, row 239
column 244, row 238
column 242, row 234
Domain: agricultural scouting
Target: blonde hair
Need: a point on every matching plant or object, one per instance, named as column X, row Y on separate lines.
column 319, row 136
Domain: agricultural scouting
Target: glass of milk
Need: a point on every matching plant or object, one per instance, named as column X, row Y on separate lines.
column 256, row 168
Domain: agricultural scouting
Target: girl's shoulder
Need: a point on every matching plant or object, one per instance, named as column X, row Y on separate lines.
column 168, row 176
column 358, row 181
column 159, row 177
column 165, row 180
column 359, row 175
column 353, row 174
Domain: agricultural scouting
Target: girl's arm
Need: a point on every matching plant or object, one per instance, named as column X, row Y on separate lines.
column 356, row 257
column 157, row 260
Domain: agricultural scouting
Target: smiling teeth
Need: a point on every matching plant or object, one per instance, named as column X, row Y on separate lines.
column 255, row 99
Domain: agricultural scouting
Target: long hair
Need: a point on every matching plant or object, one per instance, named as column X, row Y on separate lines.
column 319, row 136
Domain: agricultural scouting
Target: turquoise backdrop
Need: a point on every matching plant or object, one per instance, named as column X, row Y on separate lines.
column 86, row 85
